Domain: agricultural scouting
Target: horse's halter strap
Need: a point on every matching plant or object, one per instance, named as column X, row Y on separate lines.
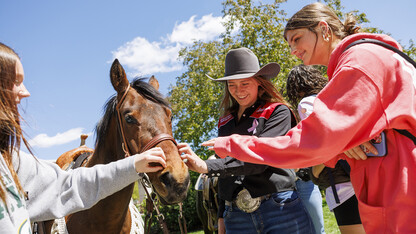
column 152, row 143
column 124, row 145
column 156, row 140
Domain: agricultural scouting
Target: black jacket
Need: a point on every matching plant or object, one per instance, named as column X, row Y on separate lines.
column 273, row 119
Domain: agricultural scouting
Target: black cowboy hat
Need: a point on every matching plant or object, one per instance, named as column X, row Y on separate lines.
column 243, row 63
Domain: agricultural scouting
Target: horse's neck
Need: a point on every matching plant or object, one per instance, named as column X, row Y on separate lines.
column 114, row 207
column 107, row 150
column 110, row 215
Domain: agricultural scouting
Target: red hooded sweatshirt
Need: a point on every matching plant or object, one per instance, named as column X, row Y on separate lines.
column 371, row 89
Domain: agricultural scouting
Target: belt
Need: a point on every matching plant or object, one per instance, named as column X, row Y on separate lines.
column 245, row 202
column 231, row 203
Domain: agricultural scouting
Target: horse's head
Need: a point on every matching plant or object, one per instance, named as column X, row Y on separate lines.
column 142, row 115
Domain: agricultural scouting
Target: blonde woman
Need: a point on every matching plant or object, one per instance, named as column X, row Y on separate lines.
column 371, row 89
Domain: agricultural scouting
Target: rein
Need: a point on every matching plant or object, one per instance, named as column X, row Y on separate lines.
column 150, row 198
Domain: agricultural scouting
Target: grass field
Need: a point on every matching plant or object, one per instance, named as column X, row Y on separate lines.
column 330, row 223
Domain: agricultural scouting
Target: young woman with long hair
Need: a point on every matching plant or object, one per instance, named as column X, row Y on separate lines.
column 255, row 198
column 26, row 180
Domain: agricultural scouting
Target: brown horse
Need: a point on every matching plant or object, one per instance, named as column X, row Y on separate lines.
column 132, row 119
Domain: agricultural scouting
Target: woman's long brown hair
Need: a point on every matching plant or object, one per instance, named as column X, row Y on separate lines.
column 10, row 130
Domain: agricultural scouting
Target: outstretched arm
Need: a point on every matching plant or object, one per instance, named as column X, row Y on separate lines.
column 55, row 193
column 340, row 121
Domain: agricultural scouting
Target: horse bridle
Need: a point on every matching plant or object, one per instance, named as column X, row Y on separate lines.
column 152, row 143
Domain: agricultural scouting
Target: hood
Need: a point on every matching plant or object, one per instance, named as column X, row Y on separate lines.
column 339, row 50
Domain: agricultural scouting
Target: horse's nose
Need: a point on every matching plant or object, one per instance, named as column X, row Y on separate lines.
column 166, row 179
column 176, row 191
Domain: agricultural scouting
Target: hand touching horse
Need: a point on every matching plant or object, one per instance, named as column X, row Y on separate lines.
column 136, row 119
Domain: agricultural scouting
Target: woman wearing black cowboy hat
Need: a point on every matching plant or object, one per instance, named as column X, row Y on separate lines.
column 257, row 198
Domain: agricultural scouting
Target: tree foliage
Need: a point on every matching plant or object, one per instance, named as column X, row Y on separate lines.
column 195, row 99
column 259, row 27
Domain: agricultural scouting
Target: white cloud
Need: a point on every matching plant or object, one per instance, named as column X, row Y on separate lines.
column 146, row 58
column 45, row 141
column 205, row 29
column 143, row 57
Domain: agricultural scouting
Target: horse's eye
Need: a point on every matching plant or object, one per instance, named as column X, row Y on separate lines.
column 130, row 119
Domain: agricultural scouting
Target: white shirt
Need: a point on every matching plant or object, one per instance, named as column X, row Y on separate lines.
column 305, row 106
column 344, row 190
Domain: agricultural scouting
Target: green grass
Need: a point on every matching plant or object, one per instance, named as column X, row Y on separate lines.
column 331, row 226
column 197, row 232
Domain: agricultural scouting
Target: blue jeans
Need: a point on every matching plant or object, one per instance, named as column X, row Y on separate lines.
column 281, row 213
column 311, row 198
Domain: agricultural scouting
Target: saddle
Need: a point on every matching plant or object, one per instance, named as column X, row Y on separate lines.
column 76, row 157
column 209, row 189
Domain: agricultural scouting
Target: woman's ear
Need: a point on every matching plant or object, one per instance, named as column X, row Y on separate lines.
column 323, row 27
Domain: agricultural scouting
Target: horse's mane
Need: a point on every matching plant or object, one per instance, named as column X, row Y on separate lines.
column 143, row 88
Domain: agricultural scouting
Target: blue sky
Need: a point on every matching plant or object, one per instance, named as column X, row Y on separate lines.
column 67, row 48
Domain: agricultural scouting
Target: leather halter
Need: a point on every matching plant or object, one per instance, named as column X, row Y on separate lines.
column 157, row 139
column 152, row 143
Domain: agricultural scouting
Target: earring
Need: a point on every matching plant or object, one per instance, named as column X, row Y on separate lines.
column 325, row 38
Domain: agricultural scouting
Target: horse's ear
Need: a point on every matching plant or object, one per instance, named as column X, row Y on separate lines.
column 118, row 77
column 153, row 82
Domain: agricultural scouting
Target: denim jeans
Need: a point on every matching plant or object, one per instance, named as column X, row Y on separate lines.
column 311, row 198
column 282, row 213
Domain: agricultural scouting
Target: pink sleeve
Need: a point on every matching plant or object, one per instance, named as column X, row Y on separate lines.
column 346, row 113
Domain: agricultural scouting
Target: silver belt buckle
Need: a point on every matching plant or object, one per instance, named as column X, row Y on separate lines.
column 246, row 203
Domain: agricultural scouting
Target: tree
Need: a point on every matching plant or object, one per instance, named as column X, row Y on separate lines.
column 195, row 99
